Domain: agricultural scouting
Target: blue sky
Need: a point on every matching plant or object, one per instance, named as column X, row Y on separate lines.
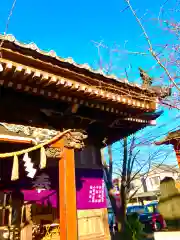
column 69, row 27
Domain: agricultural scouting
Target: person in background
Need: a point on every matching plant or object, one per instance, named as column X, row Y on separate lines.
column 111, row 221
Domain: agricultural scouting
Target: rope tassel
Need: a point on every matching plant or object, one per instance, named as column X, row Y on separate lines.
column 15, row 169
column 43, row 158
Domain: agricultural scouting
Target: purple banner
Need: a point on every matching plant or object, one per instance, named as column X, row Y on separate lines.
column 90, row 189
column 41, row 197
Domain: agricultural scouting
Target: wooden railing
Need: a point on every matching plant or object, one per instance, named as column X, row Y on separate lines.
column 30, row 212
column 6, row 209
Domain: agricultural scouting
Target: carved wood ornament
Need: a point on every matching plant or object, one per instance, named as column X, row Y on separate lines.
column 52, row 152
column 75, row 139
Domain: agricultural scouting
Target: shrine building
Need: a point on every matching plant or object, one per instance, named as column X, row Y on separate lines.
column 55, row 116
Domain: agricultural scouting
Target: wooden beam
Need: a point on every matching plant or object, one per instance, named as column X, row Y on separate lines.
column 93, row 92
column 67, row 194
column 16, row 139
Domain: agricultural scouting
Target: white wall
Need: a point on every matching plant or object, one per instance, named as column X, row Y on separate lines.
column 161, row 175
column 167, row 235
column 138, row 182
column 137, row 186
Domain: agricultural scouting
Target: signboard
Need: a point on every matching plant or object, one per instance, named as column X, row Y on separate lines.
column 90, row 189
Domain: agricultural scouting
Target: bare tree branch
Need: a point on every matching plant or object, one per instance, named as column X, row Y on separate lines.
column 153, row 53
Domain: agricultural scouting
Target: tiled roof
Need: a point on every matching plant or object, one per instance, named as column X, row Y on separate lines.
column 27, row 68
column 171, row 136
column 165, row 167
column 52, row 54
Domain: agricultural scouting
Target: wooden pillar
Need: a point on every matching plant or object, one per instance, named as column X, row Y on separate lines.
column 178, row 157
column 176, row 146
column 67, row 194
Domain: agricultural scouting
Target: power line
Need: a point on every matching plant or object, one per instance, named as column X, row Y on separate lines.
column 7, row 24
column 9, row 17
column 150, row 141
column 150, row 138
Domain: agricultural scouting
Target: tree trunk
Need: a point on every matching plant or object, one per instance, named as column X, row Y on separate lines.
column 122, row 217
column 108, row 178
